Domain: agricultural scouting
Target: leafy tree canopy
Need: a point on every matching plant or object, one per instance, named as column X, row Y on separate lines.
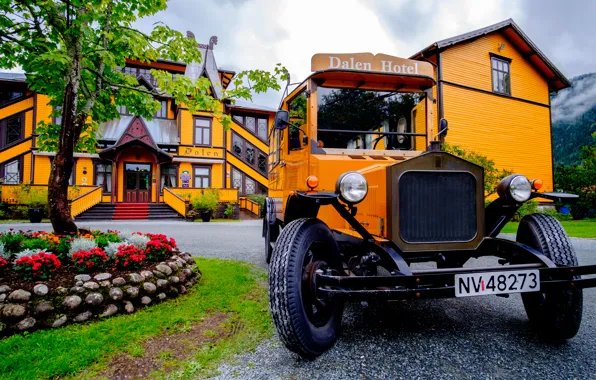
column 46, row 37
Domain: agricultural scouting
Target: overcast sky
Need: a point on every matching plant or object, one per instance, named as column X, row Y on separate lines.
column 261, row 33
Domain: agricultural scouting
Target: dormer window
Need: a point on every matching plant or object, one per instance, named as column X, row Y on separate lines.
column 163, row 110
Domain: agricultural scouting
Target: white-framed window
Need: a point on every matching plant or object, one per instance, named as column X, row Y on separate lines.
column 202, row 131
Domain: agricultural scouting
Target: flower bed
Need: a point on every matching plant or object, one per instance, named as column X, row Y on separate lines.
column 47, row 281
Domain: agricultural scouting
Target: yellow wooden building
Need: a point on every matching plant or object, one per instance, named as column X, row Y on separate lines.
column 138, row 158
column 493, row 87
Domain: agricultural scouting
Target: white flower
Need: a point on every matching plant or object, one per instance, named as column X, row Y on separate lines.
column 139, row 241
column 80, row 244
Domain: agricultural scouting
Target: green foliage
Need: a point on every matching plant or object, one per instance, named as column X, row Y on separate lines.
column 207, row 201
column 49, row 39
column 102, row 241
column 258, row 198
column 530, row 207
column 12, row 241
column 229, row 211
column 227, row 286
column 580, row 180
column 32, row 196
column 492, row 174
column 35, row 244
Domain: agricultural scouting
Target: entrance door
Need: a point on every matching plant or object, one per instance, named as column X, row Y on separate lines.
column 137, row 183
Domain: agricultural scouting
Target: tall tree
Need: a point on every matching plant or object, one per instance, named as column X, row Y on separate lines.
column 72, row 51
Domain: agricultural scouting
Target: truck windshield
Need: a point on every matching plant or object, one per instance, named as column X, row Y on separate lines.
column 344, row 116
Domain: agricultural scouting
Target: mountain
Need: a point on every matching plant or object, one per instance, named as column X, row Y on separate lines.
column 573, row 118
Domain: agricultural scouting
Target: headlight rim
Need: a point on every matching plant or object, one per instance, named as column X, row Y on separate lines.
column 504, row 188
column 340, row 193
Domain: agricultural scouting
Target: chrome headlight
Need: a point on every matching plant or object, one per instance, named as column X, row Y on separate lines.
column 352, row 187
column 516, row 187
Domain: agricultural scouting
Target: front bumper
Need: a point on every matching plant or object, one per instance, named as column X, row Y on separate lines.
column 439, row 283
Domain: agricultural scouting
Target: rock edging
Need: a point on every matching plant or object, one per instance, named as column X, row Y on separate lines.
column 95, row 297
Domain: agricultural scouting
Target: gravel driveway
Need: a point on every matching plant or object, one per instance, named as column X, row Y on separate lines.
column 475, row 337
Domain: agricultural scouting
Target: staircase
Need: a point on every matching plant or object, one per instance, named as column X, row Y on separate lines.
column 129, row 211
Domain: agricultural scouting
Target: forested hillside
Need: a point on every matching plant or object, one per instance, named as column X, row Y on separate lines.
column 574, row 118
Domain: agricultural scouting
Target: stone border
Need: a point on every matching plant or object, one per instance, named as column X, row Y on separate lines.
column 95, row 298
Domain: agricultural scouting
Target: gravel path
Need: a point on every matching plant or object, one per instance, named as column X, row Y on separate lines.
column 475, row 337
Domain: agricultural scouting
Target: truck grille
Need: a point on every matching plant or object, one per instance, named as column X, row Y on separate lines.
column 437, row 206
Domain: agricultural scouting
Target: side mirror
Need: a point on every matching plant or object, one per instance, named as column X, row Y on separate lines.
column 282, row 118
column 443, row 127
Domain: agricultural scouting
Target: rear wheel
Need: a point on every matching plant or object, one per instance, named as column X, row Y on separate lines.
column 556, row 314
column 306, row 324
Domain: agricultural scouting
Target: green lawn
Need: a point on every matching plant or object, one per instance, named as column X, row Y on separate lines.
column 6, row 221
column 83, row 351
column 575, row 228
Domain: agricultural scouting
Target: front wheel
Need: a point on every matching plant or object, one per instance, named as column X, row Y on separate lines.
column 306, row 324
column 556, row 314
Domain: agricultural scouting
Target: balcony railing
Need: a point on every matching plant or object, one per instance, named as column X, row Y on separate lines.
column 225, row 195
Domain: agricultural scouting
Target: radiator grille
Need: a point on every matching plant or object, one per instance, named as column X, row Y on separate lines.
column 437, row 206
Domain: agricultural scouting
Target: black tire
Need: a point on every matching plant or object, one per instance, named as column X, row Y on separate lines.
column 299, row 242
column 557, row 315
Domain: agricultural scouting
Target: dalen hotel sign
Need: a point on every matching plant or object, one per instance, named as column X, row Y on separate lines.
column 382, row 63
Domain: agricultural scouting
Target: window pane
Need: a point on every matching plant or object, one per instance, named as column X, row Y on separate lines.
column 202, row 171
column 263, row 163
column 250, row 186
column 239, row 119
column 12, row 173
column 250, row 123
column 236, row 179
column 205, row 182
column 495, row 81
column 250, row 154
column 206, row 133
column 199, row 136
column 263, row 128
column 237, row 145
column 506, row 67
column 13, row 130
column 494, row 62
column 202, row 122
column 143, row 181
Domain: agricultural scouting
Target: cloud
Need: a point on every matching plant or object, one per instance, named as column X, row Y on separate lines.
column 261, row 33
column 573, row 102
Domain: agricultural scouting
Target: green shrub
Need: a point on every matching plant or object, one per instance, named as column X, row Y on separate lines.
column 229, row 212
column 530, row 207
column 580, row 180
column 257, row 198
column 102, row 241
column 35, row 244
column 207, row 201
column 492, row 174
column 12, row 241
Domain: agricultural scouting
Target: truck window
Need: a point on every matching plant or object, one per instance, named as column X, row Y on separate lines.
column 297, row 108
column 342, row 113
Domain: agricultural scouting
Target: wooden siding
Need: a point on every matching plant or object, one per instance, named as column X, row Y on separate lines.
column 469, row 64
column 516, row 135
column 14, row 151
column 16, row 108
column 41, row 173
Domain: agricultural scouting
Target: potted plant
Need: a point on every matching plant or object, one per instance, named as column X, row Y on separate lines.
column 207, row 204
column 36, row 199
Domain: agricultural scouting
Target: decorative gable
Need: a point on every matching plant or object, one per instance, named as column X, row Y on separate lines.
column 136, row 130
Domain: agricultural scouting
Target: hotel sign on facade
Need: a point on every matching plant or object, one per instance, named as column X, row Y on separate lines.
column 381, row 63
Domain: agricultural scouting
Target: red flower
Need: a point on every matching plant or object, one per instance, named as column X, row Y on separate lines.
column 129, row 256
column 94, row 258
column 39, row 265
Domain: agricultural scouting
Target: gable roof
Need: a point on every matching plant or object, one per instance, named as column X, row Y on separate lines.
column 135, row 134
column 556, row 80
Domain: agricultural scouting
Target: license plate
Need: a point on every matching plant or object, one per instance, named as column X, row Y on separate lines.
column 480, row 284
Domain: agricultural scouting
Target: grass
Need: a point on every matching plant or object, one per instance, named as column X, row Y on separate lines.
column 8, row 221
column 83, row 351
column 575, row 228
